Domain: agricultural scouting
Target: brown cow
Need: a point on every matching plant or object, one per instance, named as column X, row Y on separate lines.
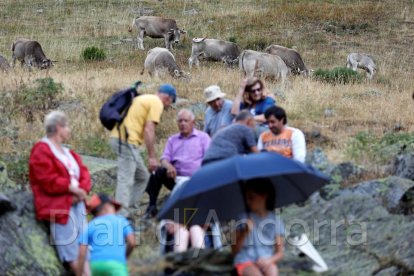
column 291, row 57
column 156, row 27
column 29, row 52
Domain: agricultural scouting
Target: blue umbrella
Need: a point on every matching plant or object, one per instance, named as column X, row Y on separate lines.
column 215, row 190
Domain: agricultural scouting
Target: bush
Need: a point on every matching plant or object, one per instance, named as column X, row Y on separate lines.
column 93, row 54
column 38, row 99
column 381, row 150
column 338, row 75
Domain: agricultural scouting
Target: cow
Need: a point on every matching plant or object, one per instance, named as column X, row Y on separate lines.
column 30, row 53
column 160, row 61
column 156, row 27
column 4, row 64
column 213, row 49
column 362, row 61
column 291, row 57
column 263, row 65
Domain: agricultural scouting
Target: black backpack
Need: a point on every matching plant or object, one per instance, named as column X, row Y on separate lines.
column 116, row 107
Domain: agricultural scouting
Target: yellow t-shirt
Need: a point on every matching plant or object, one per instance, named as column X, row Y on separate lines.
column 144, row 108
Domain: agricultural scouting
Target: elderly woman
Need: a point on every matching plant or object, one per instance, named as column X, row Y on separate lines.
column 252, row 96
column 60, row 183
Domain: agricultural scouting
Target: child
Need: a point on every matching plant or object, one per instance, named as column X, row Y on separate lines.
column 106, row 235
column 259, row 246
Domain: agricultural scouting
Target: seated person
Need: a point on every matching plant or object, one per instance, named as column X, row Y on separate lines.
column 259, row 245
column 285, row 140
column 253, row 96
column 182, row 156
column 234, row 139
column 218, row 114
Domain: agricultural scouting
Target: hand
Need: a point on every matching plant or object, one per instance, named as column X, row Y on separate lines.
column 243, row 84
column 152, row 164
column 264, row 263
column 171, row 171
column 78, row 192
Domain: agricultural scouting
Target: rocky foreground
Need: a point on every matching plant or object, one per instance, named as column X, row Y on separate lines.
column 359, row 230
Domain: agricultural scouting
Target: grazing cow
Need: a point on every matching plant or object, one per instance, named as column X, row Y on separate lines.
column 4, row 64
column 263, row 65
column 29, row 52
column 363, row 61
column 213, row 49
column 160, row 61
column 291, row 57
column 156, row 27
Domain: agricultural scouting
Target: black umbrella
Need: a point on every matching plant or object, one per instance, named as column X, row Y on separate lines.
column 216, row 190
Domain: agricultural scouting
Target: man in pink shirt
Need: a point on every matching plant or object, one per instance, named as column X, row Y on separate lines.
column 182, row 156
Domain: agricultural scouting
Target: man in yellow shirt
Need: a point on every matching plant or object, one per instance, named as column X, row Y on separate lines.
column 138, row 128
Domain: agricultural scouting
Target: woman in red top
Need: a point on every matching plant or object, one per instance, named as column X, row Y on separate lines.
column 60, row 183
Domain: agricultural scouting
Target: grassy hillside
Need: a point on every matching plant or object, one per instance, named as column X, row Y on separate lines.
column 324, row 32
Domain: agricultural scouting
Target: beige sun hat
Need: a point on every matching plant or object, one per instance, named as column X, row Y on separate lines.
column 212, row 93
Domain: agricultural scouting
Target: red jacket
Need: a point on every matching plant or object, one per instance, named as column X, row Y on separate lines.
column 50, row 180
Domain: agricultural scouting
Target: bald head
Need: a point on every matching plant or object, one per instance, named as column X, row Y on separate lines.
column 245, row 118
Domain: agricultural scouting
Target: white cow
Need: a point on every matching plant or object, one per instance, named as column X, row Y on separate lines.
column 160, row 61
column 156, row 27
column 362, row 61
column 213, row 49
column 263, row 65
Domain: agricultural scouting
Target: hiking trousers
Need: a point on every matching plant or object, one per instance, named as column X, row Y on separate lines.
column 132, row 177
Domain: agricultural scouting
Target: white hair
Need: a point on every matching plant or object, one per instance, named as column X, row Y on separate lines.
column 53, row 119
column 186, row 111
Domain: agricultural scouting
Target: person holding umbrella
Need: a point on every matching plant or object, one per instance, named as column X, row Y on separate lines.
column 259, row 245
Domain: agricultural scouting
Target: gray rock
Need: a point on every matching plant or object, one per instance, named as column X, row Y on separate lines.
column 190, row 12
column 103, row 173
column 318, row 159
column 387, row 192
column 352, row 233
column 346, row 171
column 404, row 166
column 329, row 112
column 6, row 205
column 24, row 244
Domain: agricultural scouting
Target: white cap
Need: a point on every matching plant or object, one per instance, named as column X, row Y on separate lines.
column 212, row 93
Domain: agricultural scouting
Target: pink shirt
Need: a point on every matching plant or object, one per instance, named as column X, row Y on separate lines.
column 186, row 153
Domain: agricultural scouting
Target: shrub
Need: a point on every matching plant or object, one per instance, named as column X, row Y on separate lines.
column 93, row 54
column 42, row 97
column 338, row 75
column 233, row 39
column 381, row 150
column 96, row 146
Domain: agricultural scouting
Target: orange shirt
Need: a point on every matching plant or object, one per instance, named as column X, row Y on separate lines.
column 281, row 143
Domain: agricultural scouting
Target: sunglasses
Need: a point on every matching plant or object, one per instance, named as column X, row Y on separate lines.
column 255, row 90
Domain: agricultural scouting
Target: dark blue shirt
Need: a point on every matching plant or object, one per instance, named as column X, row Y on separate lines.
column 260, row 107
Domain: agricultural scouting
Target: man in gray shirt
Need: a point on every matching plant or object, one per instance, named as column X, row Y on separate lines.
column 218, row 114
column 237, row 138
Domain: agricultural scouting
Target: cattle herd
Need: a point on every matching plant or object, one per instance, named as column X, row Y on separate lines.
column 275, row 62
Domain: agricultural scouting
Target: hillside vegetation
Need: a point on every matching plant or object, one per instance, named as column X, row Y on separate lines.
column 324, row 32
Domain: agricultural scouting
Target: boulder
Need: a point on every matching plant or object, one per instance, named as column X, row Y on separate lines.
column 404, row 166
column 6, row 205
column 354, row 235
column 24, row 243
column 352, row 232
column 388, row 192
column 103, row 173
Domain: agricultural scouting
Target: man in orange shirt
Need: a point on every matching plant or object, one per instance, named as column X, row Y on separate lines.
column 285, row 140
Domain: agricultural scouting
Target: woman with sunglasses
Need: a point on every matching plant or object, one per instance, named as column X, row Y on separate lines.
column 253, row 97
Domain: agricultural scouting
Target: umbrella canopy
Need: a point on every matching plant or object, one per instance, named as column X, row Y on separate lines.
column 215, row 191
